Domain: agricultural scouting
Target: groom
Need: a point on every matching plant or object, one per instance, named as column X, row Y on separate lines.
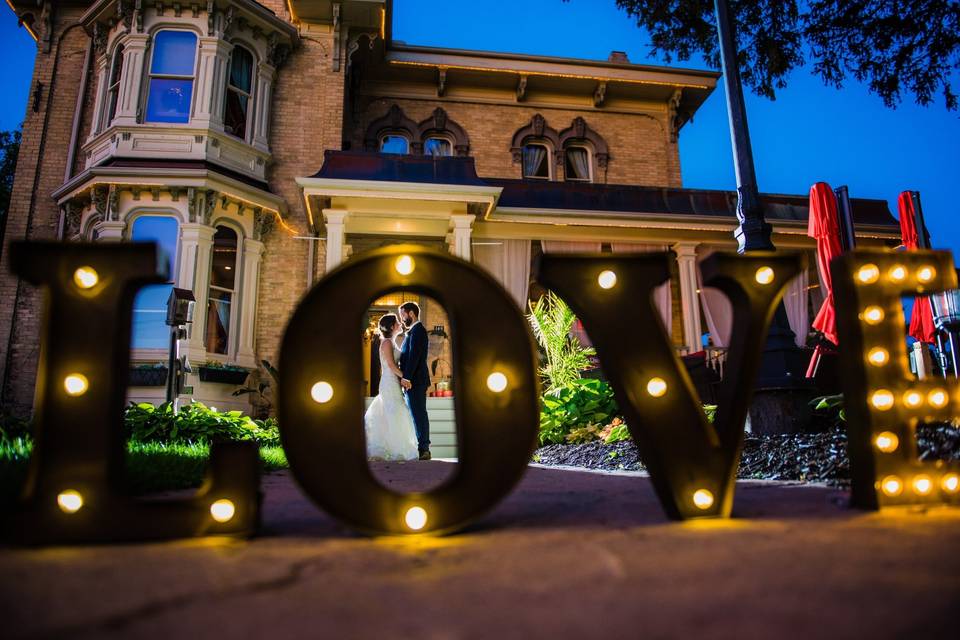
column 416, row 380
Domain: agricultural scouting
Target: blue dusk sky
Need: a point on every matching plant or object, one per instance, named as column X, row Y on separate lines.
column 810, row 133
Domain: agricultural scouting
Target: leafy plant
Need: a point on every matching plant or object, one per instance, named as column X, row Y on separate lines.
column 578, row 403
column 581, row 435
column 830, row 404
column 551, row 320
column 619, row 433
column 259, row 393
column 196, row 423
column 214, row 364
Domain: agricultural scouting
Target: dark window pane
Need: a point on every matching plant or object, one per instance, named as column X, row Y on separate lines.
column 241, row 69
column 114, row 88
column 169, row 100
column 535, row 161
column 437, row 147
column 224, row 270
column 393, row 144
column 577, row 164
column 218, row 321
column 174, row 53
column 235, row 113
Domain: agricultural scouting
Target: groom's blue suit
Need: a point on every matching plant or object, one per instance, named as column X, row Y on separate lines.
column 413, row 364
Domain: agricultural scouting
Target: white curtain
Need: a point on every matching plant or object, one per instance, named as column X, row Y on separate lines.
column 661, row 295
column 717, row 310
column 509, row 262
column 533, row 157
column 795, row 300
column 562, row 246
column 579, row 161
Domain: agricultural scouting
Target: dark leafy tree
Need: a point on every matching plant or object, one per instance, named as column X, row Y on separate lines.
column 9, row 150
column 895, row 47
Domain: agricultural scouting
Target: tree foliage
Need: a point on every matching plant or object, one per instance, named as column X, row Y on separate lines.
column 551, row 320
column 896, row 48
column 9, row 150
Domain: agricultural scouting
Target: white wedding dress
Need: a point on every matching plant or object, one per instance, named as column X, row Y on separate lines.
column 388, row 423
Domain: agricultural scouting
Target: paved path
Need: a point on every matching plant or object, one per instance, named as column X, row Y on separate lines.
column 566, row 555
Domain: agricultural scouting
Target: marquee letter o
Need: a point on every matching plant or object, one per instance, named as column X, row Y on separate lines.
column 324, row 437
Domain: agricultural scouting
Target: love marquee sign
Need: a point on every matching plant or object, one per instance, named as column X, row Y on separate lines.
column 74, row 490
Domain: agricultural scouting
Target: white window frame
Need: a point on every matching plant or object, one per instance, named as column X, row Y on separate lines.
column 112, row 98
column 549, row 159
column 235, row 303
column 150, row 76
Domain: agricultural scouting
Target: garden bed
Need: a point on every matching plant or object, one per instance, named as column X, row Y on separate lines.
column 816, row 457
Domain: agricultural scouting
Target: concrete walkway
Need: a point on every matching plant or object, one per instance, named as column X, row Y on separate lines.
column 567, row 555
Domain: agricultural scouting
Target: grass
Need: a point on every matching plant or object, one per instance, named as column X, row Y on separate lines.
column 151, row 466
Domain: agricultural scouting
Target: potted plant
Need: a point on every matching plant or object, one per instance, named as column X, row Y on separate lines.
column 443, row 386
column 220, row 373
column 147, row 375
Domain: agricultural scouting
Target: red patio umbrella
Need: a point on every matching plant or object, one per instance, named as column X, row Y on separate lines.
column 921, row 321
column 824, row 225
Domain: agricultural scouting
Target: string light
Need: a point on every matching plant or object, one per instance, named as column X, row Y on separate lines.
column 882, row 400
column 321, row 392
column 892, row 486
column 703, row 499
column 898, row 273
column 868, row 274
column 922, row 485
column 86, row 277
column 70, row 501
column 878, row 356
column 76, row 384
column 912, row 398
column 873, row 315
column 764, row 275
column 496, row 382
column 926, row 274
column 950, row 483
column 887, row 441
column 607, row 279
column 656, row 387
column 222, row 510
column 938, row 398
column 416, row 518
column 404, row 265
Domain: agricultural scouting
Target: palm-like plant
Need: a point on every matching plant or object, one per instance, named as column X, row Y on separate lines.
column 551, row 320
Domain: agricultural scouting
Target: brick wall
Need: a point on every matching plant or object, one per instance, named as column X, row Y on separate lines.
column 33, row 213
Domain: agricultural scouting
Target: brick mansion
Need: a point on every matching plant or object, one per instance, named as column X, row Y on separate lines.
column 262, row 144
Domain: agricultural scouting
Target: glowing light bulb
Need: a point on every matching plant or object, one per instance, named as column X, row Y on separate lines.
column 913, row 398
column 703, row 499
column 868, row 274
column 76, row 384
column 950, row 483
column 416, row 518
column 764, row 275
column 607, row 279
column 873, row 315
column 321, row 392
column 892, row 486
column 404, row 265
column 898, row 273
column 222, row 510
column 926, row 274
column 656, row 387
column 69, row 501
column 878, row 356
column 922, row 485
column 887, row 441
column 938, row 398
column 882, row 400
column 496, row 382
column 86, row 277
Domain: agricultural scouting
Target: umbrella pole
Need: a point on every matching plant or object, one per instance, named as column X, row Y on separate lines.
column 953, row 353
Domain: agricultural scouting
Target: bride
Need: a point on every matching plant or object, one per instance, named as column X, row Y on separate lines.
column 388, row 423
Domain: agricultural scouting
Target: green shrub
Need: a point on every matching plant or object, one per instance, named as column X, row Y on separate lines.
column 576, row 404
column 587, row 433
column 196, row 423
column 619, row 433
column 552, row 322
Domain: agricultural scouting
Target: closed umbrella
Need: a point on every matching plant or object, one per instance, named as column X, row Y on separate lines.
column 824, row 225
column 921, row 321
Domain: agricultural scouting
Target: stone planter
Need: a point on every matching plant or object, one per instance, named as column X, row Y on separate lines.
column 223, row 376
column 147, row 377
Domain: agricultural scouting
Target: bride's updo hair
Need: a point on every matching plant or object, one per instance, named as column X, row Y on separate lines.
column 388, row 322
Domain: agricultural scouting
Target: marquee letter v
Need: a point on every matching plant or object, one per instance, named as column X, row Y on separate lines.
column 692, row 463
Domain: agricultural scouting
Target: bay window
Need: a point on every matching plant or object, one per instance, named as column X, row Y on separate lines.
column 223, row 279
column 150, row 330
column 172, row 67
column 239, row 93
column 113, row 88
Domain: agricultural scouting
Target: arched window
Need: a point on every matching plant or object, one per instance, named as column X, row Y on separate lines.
column 223, row 279
column 394, row 143
column 150, row 330
column 113, row 88
column 239, row 93
column 437, row 146
column 536, row 161
column 171, row 77
column 577, row 165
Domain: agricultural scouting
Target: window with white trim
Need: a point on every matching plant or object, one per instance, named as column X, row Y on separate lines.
column 172, row 69
column 150, row 330
column 223, row 280
column 239, row 96
column 113, row 88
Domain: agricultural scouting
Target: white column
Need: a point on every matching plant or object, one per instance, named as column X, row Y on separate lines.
column 250, row 286
column 196, row 244
column 110, row 230
column 210, row 84
column 336, row 220
column 462, row 229
column 689, row 299
column 266, row 75
column 103, row 72
column 135, row 48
